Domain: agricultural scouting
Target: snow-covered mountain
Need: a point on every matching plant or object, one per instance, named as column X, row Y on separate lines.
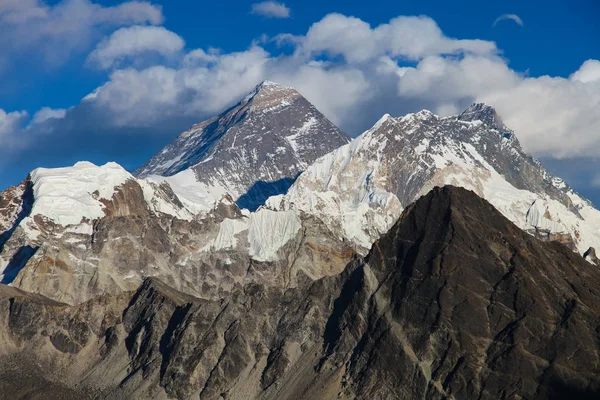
column 360, row 189
column 74, row 233
column 251, row 151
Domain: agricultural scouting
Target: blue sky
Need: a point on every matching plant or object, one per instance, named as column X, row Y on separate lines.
column 199, row 57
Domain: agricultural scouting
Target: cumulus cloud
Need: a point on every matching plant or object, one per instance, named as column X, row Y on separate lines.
column 589, row 72
column 142, row 97
column 47, row 113
column 510, row 17
column 10, row 125
column 135, row 41
column 372, row 77
column 199, row 57
column 402, row 66
column 411, row 38
column 270, row 9
column 553, row 116
column 35, row 29
column 17, row 11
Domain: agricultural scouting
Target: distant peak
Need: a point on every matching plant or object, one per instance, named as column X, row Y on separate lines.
column 270, row 89
column 484, row 113
column 271, row 86
column 268, row 83
column 475, row 107
column 423, row 115
column 426, row 114
column 381, row 121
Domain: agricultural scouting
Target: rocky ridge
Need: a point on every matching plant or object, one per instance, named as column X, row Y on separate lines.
column 84, row 231
column 454, row 301
column 360, row 189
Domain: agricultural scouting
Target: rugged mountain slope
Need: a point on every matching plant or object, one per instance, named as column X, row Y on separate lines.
column 454, row 302
column 75, row 233
column 253, row 150
column 361, row 188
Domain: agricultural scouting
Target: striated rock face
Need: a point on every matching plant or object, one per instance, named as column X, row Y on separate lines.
column 454, row 301
column 360, row 189
column 459, row 312
column 253, row 150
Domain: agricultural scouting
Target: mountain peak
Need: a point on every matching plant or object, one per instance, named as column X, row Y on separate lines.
column 266, row 139
column 271, row 85
column 270, row 95
column 484, row 113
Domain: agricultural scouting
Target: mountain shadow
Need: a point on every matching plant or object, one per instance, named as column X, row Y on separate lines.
column 258, row 194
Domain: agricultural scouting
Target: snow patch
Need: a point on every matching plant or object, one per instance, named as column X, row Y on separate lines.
column 271, row 230
column 67, row 195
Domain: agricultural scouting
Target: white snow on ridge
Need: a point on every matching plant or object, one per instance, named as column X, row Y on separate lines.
column 344, row 189
column 67, row 195
column 349, row 188
column 303, row 130
column 197, row 197
column 266, row 231
column 227, row 236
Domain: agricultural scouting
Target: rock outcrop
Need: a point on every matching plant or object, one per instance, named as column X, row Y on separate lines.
column 455, row 301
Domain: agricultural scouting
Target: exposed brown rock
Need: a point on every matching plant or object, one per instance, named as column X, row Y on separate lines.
column 454, row 302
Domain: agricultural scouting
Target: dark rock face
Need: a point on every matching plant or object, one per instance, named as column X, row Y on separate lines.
column 484, row 113
column 454, row 302
column 15, row 205
column 591, row 256
column 469, row 306
column 270, row 136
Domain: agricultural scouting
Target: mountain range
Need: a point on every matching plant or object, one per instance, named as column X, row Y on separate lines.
column 263, row 254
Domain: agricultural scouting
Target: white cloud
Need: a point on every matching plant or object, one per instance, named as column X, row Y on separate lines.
column 271, row 9
column 10, row 125
column 134, row 41
column 411, row 38
column 17, row 11
column 589, row 72
column 200, row 57
column 552, row 116
column 511, row 17
column 596, row 181
column 47, row 113
column 33, row 29
column 140, row 98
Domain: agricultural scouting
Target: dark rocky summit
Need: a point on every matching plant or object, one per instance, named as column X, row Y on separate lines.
column 454, row 301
